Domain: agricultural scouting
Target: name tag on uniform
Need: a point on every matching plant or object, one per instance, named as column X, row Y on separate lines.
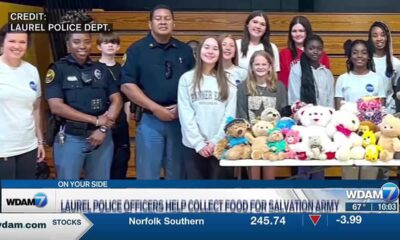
column 72, row 78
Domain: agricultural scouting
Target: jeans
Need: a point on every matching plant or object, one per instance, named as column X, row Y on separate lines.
column 158, row 145
column 76, row 154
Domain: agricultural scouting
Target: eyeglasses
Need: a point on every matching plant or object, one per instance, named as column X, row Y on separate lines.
column 168, row 69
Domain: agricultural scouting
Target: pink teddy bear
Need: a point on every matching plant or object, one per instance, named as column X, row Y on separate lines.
column 293, row 139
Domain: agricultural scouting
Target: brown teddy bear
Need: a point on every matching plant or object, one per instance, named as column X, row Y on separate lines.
column 366, row 126
column 259, row 139
column 235, row 145
column 389, row 137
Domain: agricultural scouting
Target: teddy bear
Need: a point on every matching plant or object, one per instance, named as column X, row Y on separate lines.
column 270, row 115
column 366, row 126
column 371, row 149
column 259, row 138
column 368, row 138
column 389, row 137
column 285, row 124
column 294, row 143
column 313, row 120
column 316, row 148
column 372, row 152
column 342, row 129
column 276, row 144
column 235, row 145
column 296, row 106
column 370, row 109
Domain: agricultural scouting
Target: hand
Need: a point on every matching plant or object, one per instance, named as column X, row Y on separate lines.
column 96, row 138
column 204, row 152
column 210, row 148
column 104, row 120
column 41, row 153
column 173, row 109
column 163, row 113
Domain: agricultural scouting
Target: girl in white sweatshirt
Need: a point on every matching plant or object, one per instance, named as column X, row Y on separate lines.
column 205, row 100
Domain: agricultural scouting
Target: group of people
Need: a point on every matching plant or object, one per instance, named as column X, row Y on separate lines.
column 185, row 95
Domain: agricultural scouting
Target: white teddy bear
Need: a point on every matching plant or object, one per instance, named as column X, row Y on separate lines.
column 342, row 129
column 314, row 120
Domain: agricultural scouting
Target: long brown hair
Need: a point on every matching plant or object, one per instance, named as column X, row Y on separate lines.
column 303, row 21
column 251, row 81
column 264, row 38
column 227, row 35
column 218, row 71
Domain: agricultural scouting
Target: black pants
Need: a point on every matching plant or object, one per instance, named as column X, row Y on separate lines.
column 122, row 151
column 19, row 167
column 198, row 167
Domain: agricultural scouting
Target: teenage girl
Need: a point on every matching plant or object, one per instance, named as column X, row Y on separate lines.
column 235, row 73
column 359, row 81
column 206, row 99
column 260, row 90
column 256, row 37
column 311, row 82
column 299, row 30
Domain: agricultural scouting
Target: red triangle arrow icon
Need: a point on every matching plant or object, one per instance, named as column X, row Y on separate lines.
column 315, row 218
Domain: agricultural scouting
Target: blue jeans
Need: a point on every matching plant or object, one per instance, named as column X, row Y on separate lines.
column 76, row 154
column 158, row 145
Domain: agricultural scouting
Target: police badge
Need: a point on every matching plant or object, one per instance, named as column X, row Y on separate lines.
column 97, row 73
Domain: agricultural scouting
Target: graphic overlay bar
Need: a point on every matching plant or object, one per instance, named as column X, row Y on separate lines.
column 194, row 209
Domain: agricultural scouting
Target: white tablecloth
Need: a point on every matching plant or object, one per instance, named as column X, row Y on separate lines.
column 311, row 163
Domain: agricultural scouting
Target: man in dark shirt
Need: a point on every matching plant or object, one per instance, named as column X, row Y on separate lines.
column 150, row 78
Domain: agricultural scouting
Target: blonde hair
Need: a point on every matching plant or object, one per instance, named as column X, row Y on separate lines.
column 227, row 35
column 218, row 71
column 251, row 81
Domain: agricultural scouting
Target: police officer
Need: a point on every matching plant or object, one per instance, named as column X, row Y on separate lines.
column 84, row 94
column 150, row 78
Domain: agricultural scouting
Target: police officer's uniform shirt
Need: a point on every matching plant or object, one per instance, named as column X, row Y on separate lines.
column 352, row 87
column 156, row 68
column 66, row 80
column 19, row 89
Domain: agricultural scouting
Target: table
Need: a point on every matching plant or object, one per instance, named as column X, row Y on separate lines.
column 319, row 165
column 307, row 163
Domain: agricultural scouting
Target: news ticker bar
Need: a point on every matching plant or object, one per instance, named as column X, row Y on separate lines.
column 195, row 200
column 58, row 184
column 197, row 226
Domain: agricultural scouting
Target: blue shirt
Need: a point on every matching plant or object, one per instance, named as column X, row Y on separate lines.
column 156, row 68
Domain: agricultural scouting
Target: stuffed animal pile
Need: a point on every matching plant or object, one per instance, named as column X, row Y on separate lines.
column 357, row 131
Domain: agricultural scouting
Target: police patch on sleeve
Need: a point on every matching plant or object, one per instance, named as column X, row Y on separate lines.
column 123, row 60
column 50, row 75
